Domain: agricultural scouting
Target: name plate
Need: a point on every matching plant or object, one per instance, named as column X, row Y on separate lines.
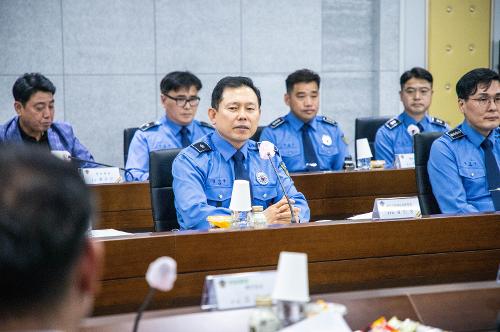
column 405, row 160
column 396, row 208
column 101, row 175
column 238, row 290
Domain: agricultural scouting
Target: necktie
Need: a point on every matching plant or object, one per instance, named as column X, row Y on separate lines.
column 240, row 173
column 312, row 163
column 492, row 172
column 420, row 127
column 185, row 141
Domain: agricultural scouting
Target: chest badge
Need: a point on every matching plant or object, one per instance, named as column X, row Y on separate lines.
column 262, row 178
column 326, row 139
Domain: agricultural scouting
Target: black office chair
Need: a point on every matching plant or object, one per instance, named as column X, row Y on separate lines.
column 256, row 136
column 367, row 128
column 160, row 187
column 422, row 146
column 128, row 134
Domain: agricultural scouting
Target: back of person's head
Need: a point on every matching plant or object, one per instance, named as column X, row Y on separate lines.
column 179, row 79
column 232, row 82
column 45, row 211
column 467, row 85
column 415, row 72
column 29, row 84
column 301, row 76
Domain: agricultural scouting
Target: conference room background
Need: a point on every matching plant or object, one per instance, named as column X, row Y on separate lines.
column 107, row 58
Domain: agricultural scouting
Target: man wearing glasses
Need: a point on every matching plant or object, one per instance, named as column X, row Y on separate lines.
column 464, row 163
column 396, row 136
column 177, row 129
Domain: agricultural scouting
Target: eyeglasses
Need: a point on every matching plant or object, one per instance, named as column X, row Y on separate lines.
column 485, row 101
column 182, row 101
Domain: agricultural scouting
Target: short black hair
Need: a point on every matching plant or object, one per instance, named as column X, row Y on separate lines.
column 232, row 82
column 29, row 84
column 467, row 85
column 45, row 212
column 179, row 79
column 415, row 72
column 301, row 76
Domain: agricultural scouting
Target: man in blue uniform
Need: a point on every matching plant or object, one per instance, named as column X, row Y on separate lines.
column 34, row 122
column 396, row 136
column 307, row 141
column 176, row 129
column 464, row 163
column 204, row 172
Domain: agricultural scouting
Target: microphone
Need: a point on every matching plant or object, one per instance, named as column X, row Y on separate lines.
column 161, row 275
column 413, row 129
column 266, row 149
column 65, row 155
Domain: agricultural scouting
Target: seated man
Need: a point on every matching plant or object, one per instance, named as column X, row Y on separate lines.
column 176, row 129
column 396, row 136
column 204, row 173
column 34, row 122
column 464, row 163
column 307, row 141
column 49, row 268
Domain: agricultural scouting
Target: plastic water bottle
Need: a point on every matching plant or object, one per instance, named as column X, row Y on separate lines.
column 259, row 219
column 364, row 163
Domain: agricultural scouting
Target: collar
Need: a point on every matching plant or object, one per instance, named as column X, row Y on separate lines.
column 474, row 136
column 408, row 120
column 297, row 123
column 27, row 138
column 176, row 128
column 225, row 148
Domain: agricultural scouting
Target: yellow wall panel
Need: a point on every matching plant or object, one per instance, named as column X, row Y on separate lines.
column 458, row 41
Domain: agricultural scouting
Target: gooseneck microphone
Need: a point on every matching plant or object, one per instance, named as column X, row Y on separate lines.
column 266, row 148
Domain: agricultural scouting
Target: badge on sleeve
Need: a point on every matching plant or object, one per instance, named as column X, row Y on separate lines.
column 326, row 139
column 262, row 178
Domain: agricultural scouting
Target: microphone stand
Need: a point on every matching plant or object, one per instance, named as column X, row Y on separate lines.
column 143, row 307
column 282, row 188
column 126, row 171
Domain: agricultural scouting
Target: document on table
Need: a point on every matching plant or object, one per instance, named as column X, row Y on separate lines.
column 362, row 216
column 107, row 233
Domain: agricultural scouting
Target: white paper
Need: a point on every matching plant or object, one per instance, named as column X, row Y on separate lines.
column 107, row 233
column 326, row 321
column 404, row 160
column 396, row 208
column 363, row 216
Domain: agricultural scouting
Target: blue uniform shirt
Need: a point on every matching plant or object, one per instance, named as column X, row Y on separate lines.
column 457, row 171
column 159, row 135
column 327, row 139
column 204, row 175
column 393, row 137
column 60, row 136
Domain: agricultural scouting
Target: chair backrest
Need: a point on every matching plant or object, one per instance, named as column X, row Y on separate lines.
column 128, row 134
column 367, row 128
column 422, row 146
column 256, row 136
column 160, row 186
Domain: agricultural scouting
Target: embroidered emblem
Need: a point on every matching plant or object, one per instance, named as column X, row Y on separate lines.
column 262, row 178
column 326, row 139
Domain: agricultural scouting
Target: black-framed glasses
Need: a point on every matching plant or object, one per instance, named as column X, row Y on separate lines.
column 182, row 101
column 486, row 100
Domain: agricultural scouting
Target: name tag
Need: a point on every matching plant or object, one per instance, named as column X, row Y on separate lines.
column 101, row 175
column 396, row 208
column 404, row 160
column 238, row 290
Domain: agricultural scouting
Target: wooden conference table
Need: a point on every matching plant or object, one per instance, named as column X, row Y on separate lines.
column 330, row 195
column 342, row 256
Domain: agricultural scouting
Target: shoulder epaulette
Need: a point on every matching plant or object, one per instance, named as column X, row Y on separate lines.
column 276, row 123
column 438, row 121
column 392, row 123
column 455, row 134
column 148, row 125
column 206, row 124
column 201, row 147
column 328, row 120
